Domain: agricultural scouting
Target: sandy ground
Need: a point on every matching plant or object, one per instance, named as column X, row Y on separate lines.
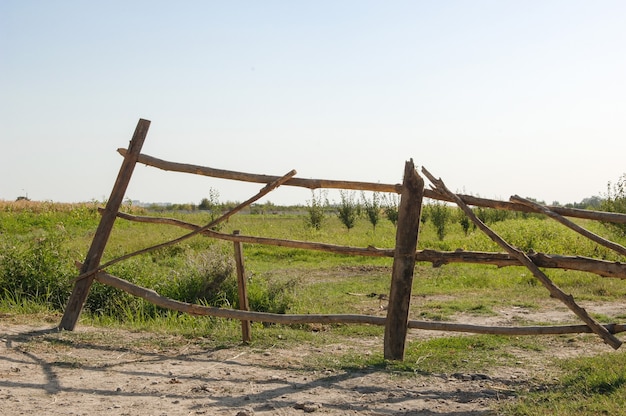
column 99, row 371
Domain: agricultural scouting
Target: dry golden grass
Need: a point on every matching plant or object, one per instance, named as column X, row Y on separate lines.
column 50, row 206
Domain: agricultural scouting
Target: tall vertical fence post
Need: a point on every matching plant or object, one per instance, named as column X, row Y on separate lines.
column 98, row 244
column 242, row 290
column 409, row 212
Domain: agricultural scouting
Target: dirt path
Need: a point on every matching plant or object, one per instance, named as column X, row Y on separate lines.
column 98, row 371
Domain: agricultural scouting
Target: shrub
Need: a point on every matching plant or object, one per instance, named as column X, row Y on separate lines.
column 207, row 281
column 38, row 269
column 465, row 222
column 212, row 205
column 372, row 208
column 348, row 209
column 315, row 210
column 391, row 202
column 615, row 201
column 271, row 295
column 439, row 214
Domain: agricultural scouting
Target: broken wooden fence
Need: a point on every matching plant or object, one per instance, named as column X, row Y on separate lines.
column 405, row 253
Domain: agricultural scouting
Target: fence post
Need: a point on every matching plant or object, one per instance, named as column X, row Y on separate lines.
column 409, row 212
column 242, row 290
column 94, row 255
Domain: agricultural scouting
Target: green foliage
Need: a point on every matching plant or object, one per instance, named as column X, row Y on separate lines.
column 212, row 205
column 464, row 221
column 587, row 386
column 615, row 201
column 316, row 210
column 391, row 203
column 439, row 213
column 348, row 209
column 449, row 354
column 372, row 208
column 207, row 279
column 491, row 215
column 270, row 295
column 37, row 268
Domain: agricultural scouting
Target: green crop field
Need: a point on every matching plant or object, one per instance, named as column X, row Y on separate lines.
column 39, row 243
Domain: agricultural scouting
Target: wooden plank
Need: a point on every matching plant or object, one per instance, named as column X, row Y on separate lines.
column 98, row 244
column 403, row 263
column 246, row 334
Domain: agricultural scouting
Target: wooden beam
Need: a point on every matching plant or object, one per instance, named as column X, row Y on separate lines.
column 403, row 263
column 98, row 244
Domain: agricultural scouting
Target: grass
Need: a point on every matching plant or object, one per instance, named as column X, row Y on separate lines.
column 39, row 242
column 582, row 386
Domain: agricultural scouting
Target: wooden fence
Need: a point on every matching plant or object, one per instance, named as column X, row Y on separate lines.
column 405, row 253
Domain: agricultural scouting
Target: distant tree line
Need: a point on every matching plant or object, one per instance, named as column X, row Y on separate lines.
column 350, row 209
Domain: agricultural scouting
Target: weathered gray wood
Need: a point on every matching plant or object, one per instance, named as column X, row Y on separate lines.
column 403, row 263
column 242, row 290
column 554, row 290
column 367, row 186
column 94, row 255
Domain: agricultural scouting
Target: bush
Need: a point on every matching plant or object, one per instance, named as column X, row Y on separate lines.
column 615, row 201
column 439, row 215
column 348, row 209
column 39, row 269
column 208, row 280
column 372, row 208
column 391, row 202
column 315, row 210
column 271, row 296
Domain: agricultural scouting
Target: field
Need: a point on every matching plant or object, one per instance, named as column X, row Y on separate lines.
column 130, row 357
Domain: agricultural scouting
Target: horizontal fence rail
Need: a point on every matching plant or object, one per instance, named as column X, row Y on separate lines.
column 437, row 258
column 287, row 319
column 370, row 186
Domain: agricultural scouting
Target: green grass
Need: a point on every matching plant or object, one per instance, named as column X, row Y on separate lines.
column 38, row 245
column 582, row 386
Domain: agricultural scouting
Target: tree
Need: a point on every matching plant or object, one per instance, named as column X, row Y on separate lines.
column 372, row 208
column 315, row 209
column 348, row 209
column 390, row 207
column 464, row 221
column 211, row 204
column 439, row 215
column 615, row 201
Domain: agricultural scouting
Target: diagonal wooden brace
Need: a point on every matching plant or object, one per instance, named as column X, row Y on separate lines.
column 618, row 248
column 197, row 230
column 554, row 290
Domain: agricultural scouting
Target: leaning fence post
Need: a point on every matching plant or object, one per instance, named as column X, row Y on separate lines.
column 94, row 255
column 242, row 290
column 409, row 212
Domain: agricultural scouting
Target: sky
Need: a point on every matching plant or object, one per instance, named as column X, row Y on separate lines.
column 497, row 98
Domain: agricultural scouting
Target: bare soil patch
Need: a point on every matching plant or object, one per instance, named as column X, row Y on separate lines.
column 101, row 371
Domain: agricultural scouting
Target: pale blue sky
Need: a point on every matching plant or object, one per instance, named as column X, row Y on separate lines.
column 495, row 97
